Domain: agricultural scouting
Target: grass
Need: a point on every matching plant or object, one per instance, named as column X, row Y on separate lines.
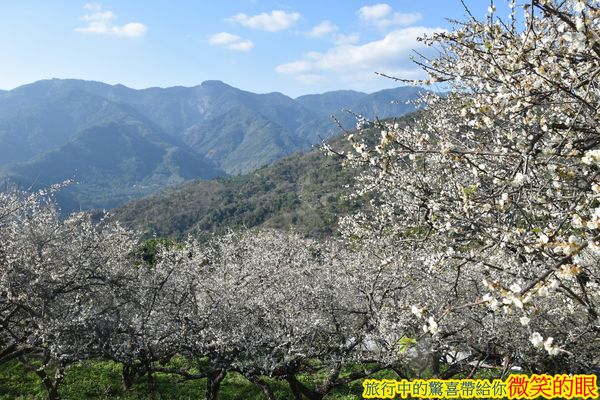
column 102, row 380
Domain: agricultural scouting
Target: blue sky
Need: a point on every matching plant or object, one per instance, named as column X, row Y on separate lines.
column 294, row 47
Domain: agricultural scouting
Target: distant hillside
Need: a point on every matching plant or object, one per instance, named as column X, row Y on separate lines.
column 303, row 192
column 383, row 104
column 111, row 164
column 120, row 143
column 330, row 102
column 387, row 103
column 241, row 141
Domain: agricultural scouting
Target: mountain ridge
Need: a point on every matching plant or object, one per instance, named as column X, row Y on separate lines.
column 305, row 192
column 226, row 130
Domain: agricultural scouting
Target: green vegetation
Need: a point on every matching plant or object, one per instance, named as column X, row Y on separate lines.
column 303, row 192
column 102, row 380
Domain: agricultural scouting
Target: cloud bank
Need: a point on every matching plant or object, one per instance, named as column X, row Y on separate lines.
column 353, row 62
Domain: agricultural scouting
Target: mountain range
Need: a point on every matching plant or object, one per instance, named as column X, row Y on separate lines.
column 119, row 143
column 306, row 192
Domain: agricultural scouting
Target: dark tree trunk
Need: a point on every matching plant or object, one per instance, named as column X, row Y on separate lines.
column 53, row 393
column 299, row 389
column 129, row 375
column 8, row 355
column 214, row 383
column 435, row 363
column 294, row 388
column 50, row 385
column 331, row 380
column 264, row 386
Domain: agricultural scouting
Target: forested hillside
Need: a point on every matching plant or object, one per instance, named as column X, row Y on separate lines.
column 301, row 192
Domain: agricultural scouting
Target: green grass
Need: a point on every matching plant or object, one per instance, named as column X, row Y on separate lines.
column 102, row 380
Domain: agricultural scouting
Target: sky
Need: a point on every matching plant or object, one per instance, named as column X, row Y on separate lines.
column 289, row 46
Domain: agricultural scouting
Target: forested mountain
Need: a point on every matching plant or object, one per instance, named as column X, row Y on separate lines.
column 304, row 192
column 330, row 102
column 112, row 163
column 383, row 104
column 119, row 143
column 240, row 140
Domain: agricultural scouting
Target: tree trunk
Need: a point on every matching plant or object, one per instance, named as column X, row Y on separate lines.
column 435, row 363
column 50, row 385
column 294, row 388
column 53, row 394
column 214, row 383
column 299, row 389
column 264, row 386
column 11, row 352
column 331, row 380
column 129, row 373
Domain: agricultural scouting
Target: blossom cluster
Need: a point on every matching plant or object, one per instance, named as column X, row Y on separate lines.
column 494, row 187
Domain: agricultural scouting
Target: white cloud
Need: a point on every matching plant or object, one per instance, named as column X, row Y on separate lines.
column 350, row 62
column 100, row 16
column 342, row 39
column 322, row 29
column 277, row 20
column 381, row 16
column 376, row 11
column 399, row 19
column 230, row 41
column 296, row 67
column 93, row 6
column 99, row 23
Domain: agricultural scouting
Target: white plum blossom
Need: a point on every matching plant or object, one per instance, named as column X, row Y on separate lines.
column 537, row 340
column 505, row 189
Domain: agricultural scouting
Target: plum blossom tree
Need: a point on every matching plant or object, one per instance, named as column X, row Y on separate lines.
column 493, row 191
column 146, row 330
column 54, row 280
column 479, row 245
column 259, row 303
column 267, row 303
